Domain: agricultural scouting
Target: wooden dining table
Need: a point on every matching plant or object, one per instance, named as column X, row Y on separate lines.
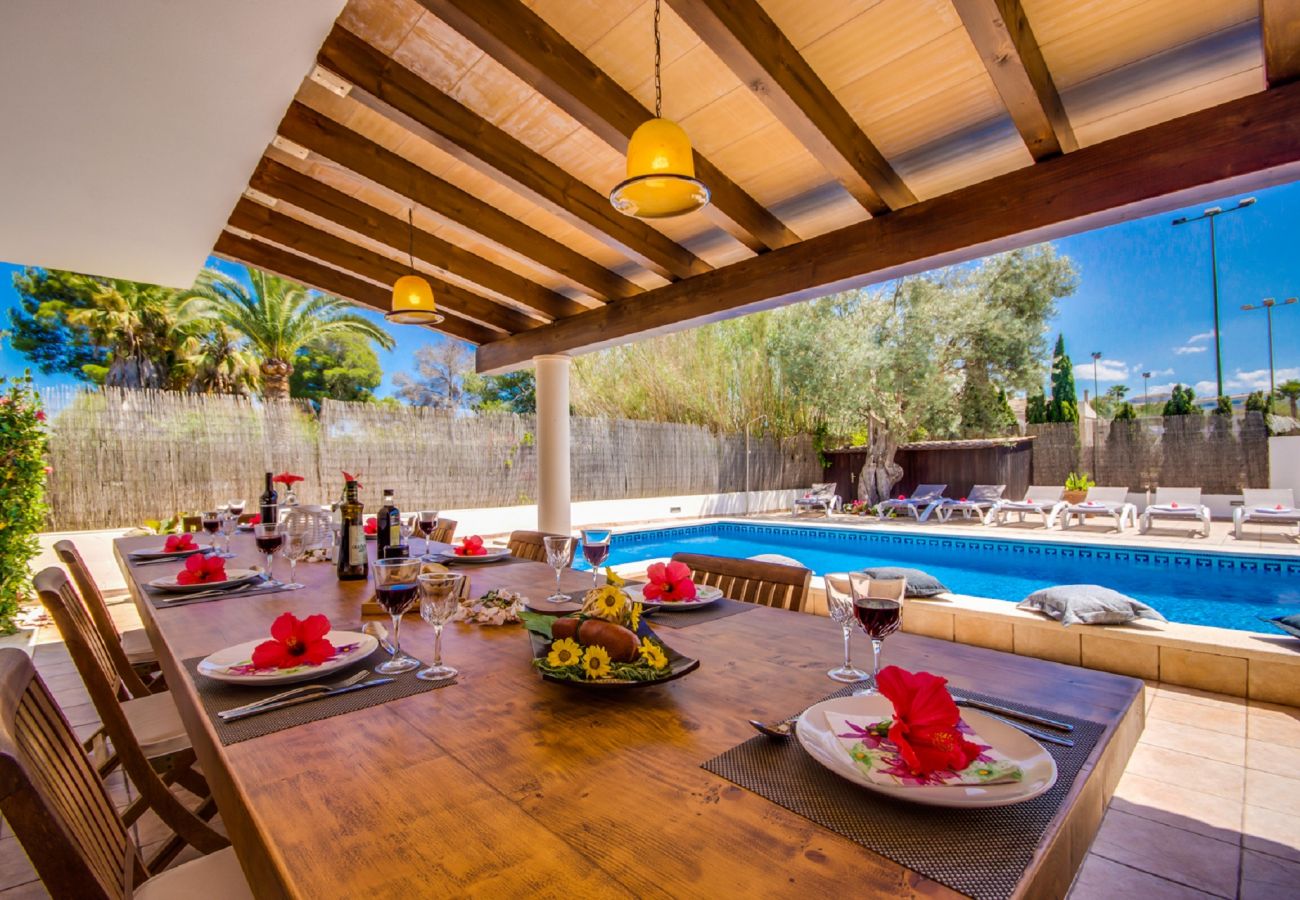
column 506, row 785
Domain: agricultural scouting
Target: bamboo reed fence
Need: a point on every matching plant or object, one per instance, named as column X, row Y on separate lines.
column 122, row 457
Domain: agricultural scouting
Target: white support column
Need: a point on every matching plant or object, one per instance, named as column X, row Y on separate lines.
column 553, row 443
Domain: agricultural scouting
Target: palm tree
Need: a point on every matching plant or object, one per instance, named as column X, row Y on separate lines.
column 136, row 323
column 1291, row 391
column 214, row 359
column 279, row 318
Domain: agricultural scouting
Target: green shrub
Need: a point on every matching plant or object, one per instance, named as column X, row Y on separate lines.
column 22, row 486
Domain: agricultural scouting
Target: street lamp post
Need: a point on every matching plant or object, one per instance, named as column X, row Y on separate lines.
column 1267, row 305
column 1146, row 390
column 1212, row 213
column 1096, row 355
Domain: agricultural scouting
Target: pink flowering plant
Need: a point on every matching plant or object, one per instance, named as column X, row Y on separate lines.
column 22, row 491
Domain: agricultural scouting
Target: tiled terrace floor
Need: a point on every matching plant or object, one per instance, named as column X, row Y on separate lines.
column 1209, row 805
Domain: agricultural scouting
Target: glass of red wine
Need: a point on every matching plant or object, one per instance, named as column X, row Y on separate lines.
column 595, row 550
column 268, row 536
column 879, row 617
column 211, row 521
column 426, row 523
column 397, row 587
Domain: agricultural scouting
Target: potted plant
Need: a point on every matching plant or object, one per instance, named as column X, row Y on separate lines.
column 1076, row 487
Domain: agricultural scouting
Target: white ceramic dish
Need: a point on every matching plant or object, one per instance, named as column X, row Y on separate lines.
column 447, row 557
column 145, row 555
column 817, row 738
column 704, row 595
column 231, row 664
column 234, row 578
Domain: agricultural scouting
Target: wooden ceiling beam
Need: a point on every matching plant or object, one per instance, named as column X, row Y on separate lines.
column 332, row 281
column 744, row 37
column 528, row 46
column 1280, row 23
column 1245, row 144
column 285, row 230
column 284, row 183
column 1006, row 44
column 361, row 156
column 397, row 93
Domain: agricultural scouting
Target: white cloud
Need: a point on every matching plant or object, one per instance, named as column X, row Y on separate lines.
column 1107, row 370
column 1240, row 382
column 1198, row 338
column 1161, row 373
column 1192, row 344
column 1207, row 389
column 1187, row 348
column 1162, row 390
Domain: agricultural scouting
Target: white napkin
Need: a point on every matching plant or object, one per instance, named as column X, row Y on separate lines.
column 877, row 758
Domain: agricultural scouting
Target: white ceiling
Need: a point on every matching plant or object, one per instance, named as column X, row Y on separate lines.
column 128, row 128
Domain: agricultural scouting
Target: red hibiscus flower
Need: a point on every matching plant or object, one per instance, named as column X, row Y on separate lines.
column 254, row 519
column 371, row 526
column 670, row 583
column 295, row 643
column 40, row 415
column 902, row 496
column 962, row 500
column 1173, row 505
column 471, row 546
column 199, row 569
column 349, row 477
column 180, row 542
column 288, row 479
column 925, row 722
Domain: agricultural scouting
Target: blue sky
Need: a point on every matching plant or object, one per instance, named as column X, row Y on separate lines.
column 1143, row 301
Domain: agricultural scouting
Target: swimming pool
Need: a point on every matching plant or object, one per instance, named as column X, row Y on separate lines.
column 1201, row 588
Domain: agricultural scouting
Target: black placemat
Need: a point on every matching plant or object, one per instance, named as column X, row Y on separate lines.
column 218, row 695
column 686, row 617
column 980, row 852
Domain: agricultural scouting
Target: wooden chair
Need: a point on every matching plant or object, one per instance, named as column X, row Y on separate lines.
column 528, row 545
column 751, row 581
column 135, row 641
column 148, row 738
column 445, row 533
column 52, row 798
column 191, row 523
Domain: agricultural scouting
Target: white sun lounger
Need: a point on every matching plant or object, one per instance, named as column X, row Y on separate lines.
column 1101, row 501
column 980, row 501
column 1266, row 507
column 919, row 506
column 821, row 496
column 1039, row 500
column 1179, row 504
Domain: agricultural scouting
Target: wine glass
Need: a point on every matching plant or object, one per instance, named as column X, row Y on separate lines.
column 396, row 587
column 595, row 550
column 236, row 507
column 426, row 520
column 268, row 536
column 229, row 522
column 297, row 537
column 559, row 551
column 839, row 600
column 404, row 528
column 879, row 617
column 439, row 601
column 211, row 521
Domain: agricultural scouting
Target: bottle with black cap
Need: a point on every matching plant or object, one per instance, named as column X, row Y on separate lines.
column 388, row 534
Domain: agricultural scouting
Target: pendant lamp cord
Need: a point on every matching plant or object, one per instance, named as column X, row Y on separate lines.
column 410, row 232
column 658, row 88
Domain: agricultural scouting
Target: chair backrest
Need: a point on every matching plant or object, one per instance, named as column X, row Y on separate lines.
column 528, row 545
column 1181, row 496
column 822, row 489
column 1268, row 498
column 928, row 491
column 1041, row 493
column 70, row 556
column 445, row 533
column 99, row 656
column 191, row 523
column 1107, row 495
column 751, row 581
column 51, row 795
column 986, row 493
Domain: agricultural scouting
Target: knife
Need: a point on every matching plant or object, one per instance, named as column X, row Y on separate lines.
column 294, row 701
column 1014, row 713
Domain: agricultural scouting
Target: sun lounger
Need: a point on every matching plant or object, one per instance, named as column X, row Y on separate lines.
column 919, row 506
column 1039, row 500
column 1101, row 501
column 1266, row 507
column 980, row 501
column 820, row 496
column 1178, row 504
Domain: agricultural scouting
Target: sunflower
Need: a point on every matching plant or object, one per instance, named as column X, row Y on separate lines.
column 595, row 664
column 611, row 577
column 605, row 603
column 634, row 616
column 654, row 655
column 564, row 653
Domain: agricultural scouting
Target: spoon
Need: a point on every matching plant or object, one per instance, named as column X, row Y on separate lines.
column 779, row 730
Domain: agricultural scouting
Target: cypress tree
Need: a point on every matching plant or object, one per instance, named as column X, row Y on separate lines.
column 1065, row 402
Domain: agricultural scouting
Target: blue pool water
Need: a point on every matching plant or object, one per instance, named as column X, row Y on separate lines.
column 1224, row 589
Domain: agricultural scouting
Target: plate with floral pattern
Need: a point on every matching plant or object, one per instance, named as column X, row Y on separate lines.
column 704, row 595
column 819, row 739
column 234, row 665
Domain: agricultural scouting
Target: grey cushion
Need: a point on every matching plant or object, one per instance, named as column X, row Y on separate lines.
column 1290, row 624
column 1090, row 604
column 919, row 584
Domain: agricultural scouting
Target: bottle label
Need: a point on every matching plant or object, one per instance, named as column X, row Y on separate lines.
column 357, row 547
column 394, row 534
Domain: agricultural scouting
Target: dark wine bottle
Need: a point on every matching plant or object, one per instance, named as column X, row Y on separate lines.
column 353, row 564
column 270, row 502
column 388, row 533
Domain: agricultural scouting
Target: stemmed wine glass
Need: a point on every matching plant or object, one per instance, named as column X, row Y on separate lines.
column 397, row 584
column 595, row 550
column 439, row 601
column 559, row 551
column 426, row 522
column 229, row 521
column 839, row 600
column 236, row 508
column 268, row 536
column 879, row 617
column 296, row 538
column 211, row 521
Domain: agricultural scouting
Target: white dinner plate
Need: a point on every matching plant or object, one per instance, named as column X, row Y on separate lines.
column 234, row 578
column 704, row 595
column 446, row 556
column 140, row 555
column 818, row 739
column 235, row 664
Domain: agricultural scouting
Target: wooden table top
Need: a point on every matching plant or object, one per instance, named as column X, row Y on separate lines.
column 505, row 784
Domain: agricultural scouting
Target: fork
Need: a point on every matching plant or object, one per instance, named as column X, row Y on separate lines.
column 294, row 692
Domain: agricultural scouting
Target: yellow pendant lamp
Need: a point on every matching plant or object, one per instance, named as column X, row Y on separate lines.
column 661, row 178
column 413, row 302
